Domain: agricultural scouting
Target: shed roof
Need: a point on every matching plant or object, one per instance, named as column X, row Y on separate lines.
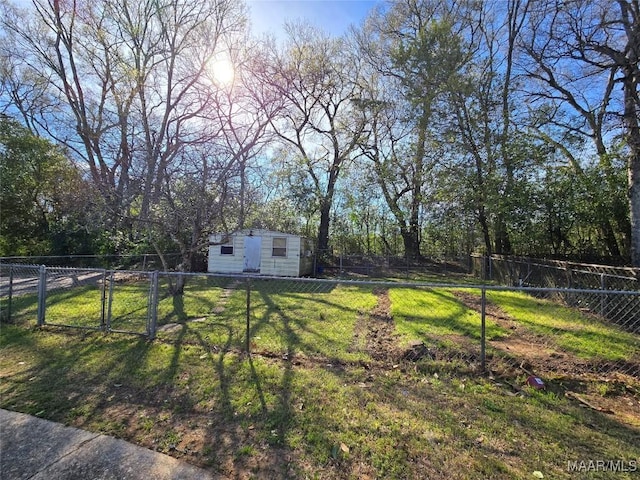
column 256, row 232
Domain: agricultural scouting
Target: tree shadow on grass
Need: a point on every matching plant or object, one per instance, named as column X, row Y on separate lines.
column 436, row 313
column 285, row 417
column 72, row 373
column 289, row 324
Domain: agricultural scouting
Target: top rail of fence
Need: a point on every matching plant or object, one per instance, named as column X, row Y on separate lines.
column 350, row 281
column 146, row 261
column 627, row 273
column 407, row 284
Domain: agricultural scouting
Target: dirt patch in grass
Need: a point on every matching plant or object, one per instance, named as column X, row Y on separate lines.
column 376, row 333
column 199, row 439
column 379, row 330
column 209, row 435
column 524, row 349
column 527, row 353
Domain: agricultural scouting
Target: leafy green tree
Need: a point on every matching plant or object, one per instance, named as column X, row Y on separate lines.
column 490, row 154
column 45, row 203
column 416, row 53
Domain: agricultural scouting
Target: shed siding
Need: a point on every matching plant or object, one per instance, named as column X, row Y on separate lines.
column 280, row 266
column 294, row 264
column 219, row 263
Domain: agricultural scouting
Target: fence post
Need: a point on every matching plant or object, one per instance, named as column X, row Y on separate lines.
column 406, row 264
column 570, row 296
column 42, row 294
column 490, row 267
column 153, row 306
column 103, row 301
column 485, row 267
column 248, row 333
column 483, row 336
column 603, row 298
column 110, row 302
column 10, row 293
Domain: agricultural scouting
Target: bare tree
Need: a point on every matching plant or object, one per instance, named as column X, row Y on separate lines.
column 582, row 63
column 318, row 80
column 130, row 78
column 246, row 111
column 206, row 185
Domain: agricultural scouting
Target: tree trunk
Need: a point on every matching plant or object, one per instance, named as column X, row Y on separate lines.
column 484, row 226
column 242, row 194
column 502, row 242
column 634, row 205
column 323, row 228
column 610, row 239
column 633, row 141
column 410, row 237
column 178, row 288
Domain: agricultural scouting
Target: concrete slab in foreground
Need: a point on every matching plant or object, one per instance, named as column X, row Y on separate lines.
column 37, row 449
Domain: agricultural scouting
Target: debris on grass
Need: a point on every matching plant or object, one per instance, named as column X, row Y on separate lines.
column 417, row 350
column 535, row 382
column 586, row 403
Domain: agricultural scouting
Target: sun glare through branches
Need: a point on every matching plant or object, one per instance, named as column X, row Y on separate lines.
column 222, row 71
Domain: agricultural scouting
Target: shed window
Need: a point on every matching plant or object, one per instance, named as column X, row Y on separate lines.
column 279, row 247
column 226, row 249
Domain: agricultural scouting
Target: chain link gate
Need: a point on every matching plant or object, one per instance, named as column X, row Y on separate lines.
column 506, row 330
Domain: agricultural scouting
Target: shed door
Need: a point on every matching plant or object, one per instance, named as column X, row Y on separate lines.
column 252, row 249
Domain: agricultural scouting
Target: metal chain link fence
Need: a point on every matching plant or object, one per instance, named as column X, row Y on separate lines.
column 621, row 310
column 522, row 271
column 509, row 332
column 143, row 261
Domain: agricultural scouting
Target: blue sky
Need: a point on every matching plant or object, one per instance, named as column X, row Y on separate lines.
column 268, row 16
column 333, row 16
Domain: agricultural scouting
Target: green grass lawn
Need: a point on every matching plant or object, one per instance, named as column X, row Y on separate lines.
column 317, row 320
column 570, row 329
column 332, row 422
column 312, row 402
column 436, row 312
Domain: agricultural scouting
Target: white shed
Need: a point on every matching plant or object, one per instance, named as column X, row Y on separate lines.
column 260, row 251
